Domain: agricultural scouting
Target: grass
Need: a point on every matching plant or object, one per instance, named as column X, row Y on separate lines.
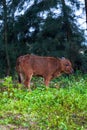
column 63, row 106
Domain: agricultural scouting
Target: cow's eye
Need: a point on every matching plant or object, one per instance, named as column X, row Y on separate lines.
column 67, row 65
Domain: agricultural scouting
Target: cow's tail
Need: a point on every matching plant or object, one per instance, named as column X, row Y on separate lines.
column 19, row 78
column 18, row 69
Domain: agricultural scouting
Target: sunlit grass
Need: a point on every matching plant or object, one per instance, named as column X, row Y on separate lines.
column 63, row 106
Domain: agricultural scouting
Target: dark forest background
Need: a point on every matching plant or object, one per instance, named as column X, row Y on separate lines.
column 39, row 30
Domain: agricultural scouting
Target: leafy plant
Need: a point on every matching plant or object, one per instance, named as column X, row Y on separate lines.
column 63, row 107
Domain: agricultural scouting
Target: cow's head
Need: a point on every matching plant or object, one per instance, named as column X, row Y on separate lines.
column 66, row 66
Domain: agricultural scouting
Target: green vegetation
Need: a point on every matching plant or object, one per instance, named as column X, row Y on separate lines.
column 63, row 106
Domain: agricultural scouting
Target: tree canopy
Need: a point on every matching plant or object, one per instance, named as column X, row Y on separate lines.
column 42, row 27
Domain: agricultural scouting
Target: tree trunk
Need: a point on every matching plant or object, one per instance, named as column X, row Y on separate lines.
column 67, row 28
column 86, row 12
column 5, row 37
column 65, row 20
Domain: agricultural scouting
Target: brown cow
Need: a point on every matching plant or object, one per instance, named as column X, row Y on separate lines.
column 47, row 67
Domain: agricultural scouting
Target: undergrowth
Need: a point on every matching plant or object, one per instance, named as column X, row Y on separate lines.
column 63, row 106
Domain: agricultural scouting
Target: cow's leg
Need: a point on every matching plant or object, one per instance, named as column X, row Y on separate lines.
column 27, row 81
column 47, row 80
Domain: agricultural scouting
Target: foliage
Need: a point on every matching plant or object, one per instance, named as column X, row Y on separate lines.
column 39, row 30
column 63, row 106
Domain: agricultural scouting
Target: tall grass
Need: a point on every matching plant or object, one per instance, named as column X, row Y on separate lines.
column 63, row 106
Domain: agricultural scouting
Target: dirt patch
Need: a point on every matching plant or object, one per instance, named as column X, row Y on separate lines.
column 3, row 128
column 10, row 127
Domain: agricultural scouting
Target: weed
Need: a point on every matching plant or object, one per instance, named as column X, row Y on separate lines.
column 63, row 106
